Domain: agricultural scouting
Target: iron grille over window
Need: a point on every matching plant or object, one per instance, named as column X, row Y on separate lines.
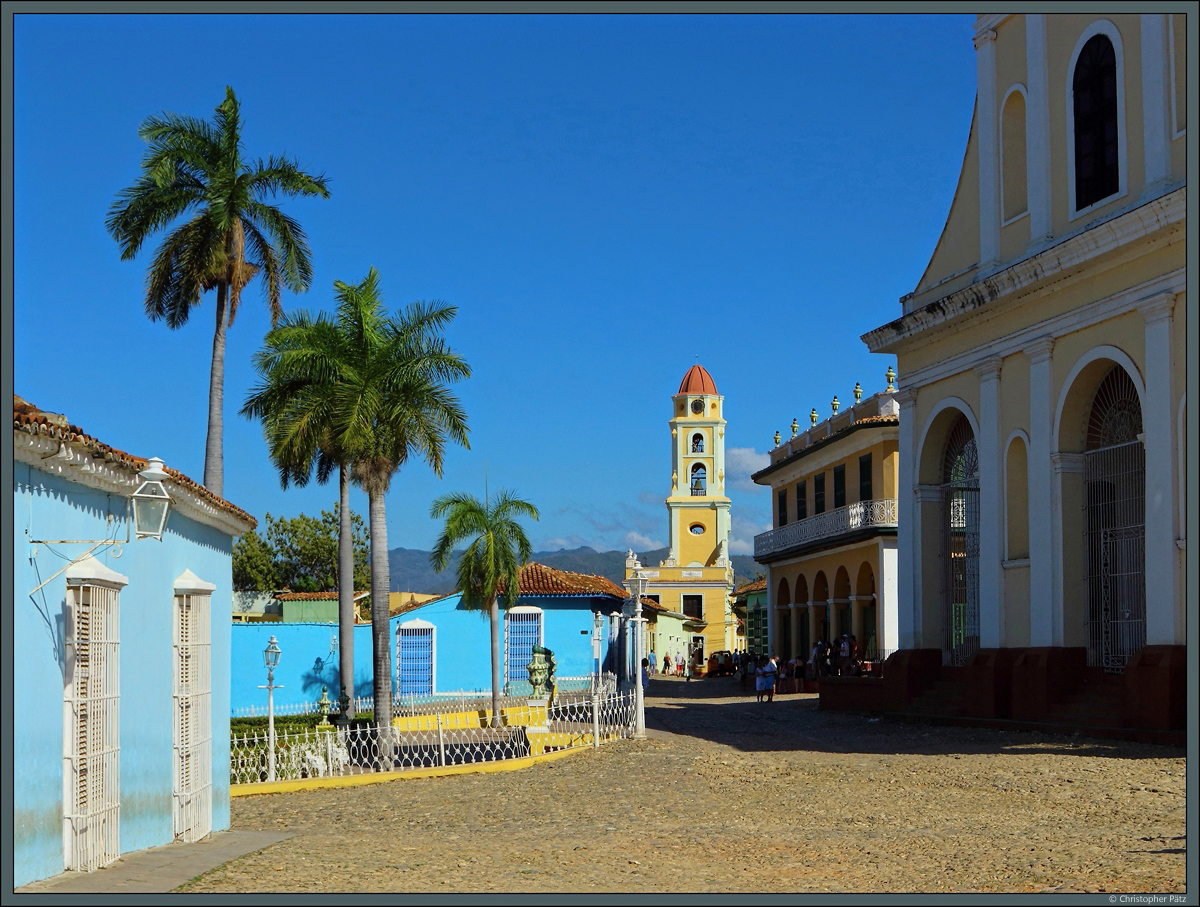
column 522, row 631
column 415, row 651
column 1094, row 93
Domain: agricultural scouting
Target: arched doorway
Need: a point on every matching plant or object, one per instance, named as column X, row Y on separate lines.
column 1114, row 523
column 960, row 543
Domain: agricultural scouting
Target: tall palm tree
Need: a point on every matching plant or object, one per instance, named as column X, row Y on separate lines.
column 370, row 393
column 196, row 168
column 490, row 567
column 302, row 362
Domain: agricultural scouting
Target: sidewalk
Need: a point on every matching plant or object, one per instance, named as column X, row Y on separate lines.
column 159, row 869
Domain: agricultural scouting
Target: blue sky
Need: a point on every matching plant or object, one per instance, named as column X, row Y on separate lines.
column 606, row 199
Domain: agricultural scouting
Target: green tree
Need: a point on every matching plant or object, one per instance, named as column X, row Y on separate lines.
column 370, row 391
column 299, row 553
column 254, row 568
column 490, row 567
column 196, row 168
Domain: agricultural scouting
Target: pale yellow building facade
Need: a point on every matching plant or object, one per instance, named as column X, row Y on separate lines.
column 831, row 556
column 1042, row 356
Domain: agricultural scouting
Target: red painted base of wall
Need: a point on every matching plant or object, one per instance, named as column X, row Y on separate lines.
column 1027, row 686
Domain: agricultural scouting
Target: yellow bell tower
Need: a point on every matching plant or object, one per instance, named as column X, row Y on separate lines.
column 694, row 584
column 697, row 506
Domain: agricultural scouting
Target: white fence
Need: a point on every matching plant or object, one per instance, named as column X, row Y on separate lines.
column 432, row 735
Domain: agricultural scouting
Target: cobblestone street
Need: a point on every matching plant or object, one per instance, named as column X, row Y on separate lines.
column 728, row 795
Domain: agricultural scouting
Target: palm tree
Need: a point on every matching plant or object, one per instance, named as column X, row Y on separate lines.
column 490, row 567
column 302, row 362
column 195, row 167
column 368, row 392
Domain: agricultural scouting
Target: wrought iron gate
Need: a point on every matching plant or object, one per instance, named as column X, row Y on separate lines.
column 960, row 545
column 1116, row 554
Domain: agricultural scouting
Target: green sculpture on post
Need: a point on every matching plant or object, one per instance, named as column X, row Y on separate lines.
column 541, row 668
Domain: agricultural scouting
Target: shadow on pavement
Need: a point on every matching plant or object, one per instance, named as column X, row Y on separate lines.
column 718, row 710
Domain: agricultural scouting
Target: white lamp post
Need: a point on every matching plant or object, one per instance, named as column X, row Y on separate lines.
column 636, row 584
column 271, row 659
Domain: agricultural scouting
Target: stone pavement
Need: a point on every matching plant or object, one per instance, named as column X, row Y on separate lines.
column 727, row 795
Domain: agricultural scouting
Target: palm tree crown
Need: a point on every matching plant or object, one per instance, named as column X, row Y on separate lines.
column 196, row 168
column 490, row 567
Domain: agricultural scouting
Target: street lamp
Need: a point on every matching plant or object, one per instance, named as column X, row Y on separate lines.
column 271, row 659
column 151, row 501
column 636, row 584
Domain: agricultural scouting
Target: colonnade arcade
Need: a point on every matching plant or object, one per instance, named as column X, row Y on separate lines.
column 806, row 610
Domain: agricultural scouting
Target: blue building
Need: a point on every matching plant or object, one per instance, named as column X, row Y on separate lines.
column 441, row 647
column 121, row 693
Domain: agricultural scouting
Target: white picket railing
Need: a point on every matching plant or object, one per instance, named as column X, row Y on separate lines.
column 432, row 736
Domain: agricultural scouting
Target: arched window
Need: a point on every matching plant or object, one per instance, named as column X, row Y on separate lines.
column 1013, row 173
column 1115, row 476
column 960, row 542
column 699, row 480
column 1096, row 121
column 697, row 443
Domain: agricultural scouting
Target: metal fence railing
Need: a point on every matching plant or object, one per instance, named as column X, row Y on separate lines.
column 433, row 735
column 403, row 702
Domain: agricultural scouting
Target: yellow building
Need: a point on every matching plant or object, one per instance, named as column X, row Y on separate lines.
column 831, row 556
column 696, row 579
column 1042, row 363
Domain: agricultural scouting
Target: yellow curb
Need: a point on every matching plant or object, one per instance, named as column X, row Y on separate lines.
column 283, row 787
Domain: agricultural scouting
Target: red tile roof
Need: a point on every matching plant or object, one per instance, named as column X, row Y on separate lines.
column 759, row 585
column 538, row 579
column 32, row 420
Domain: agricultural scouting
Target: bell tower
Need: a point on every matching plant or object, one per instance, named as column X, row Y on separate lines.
column 697, row 506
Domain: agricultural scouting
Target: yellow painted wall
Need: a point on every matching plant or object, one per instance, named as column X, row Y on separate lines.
column 958, row 247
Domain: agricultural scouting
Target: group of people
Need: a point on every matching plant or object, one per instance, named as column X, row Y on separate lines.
column 837, row 658
column 677, row 666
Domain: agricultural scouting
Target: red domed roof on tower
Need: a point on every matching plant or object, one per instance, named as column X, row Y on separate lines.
column 697, row 381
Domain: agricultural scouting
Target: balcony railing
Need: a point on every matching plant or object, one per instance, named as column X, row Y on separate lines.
column 863, row 515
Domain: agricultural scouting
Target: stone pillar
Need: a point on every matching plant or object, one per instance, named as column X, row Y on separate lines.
column 1037, row 133
column 1156, row 114
column 1163, row 598
column 991, row 494
column 795, row 626
column 1044, row 595
column 1068, row 617
column 986, row 122
column 908, row 525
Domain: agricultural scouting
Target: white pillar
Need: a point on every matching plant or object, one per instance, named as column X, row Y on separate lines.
column 887, row 605
column 1156, row 115
column 991, row 552
column 1043, row 595
column 1162, row 593
column 908, row 526
column 986, row 130
column 1037, row 130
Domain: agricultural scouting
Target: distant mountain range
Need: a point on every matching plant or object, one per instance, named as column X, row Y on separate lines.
column 411, row 571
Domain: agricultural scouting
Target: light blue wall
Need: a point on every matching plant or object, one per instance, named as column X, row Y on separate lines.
column 48, row 507
column 462, row 658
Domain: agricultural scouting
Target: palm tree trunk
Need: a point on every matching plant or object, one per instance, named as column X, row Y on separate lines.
column 346, row 588
column 494, row 620
column 214, row 465
column 381, row 642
